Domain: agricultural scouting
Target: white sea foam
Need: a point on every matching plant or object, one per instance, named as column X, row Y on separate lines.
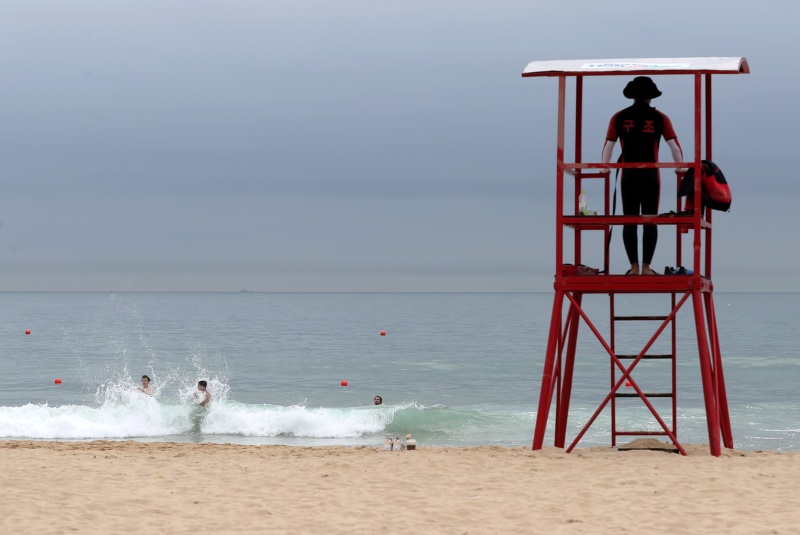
column 143, row 418
column 267, row 420
column 133, row 414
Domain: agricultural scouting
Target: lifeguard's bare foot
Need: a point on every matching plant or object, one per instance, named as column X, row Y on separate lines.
column 647, row 271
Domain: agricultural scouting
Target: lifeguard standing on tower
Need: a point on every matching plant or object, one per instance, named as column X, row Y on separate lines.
column 640, row 128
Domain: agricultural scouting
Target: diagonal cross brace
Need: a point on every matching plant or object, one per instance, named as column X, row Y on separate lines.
column 626, row 371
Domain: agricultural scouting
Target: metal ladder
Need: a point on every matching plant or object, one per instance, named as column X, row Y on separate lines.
column 633, row 361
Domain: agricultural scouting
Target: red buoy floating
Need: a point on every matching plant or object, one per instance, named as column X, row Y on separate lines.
column 628, row 384
column 57, row 381
column 27, row 331
column 383, row 333
column 344, row 383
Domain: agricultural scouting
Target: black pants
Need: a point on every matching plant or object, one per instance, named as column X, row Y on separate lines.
column 640, row 194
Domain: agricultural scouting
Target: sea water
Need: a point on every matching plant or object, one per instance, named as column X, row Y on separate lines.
column 454, row 369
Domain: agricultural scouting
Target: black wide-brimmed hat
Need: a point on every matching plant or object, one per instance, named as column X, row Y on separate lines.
column 641, row 87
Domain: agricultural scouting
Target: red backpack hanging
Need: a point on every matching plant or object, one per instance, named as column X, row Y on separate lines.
column 716, row 193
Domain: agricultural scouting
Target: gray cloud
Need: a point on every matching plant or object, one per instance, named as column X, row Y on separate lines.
column 351, row 145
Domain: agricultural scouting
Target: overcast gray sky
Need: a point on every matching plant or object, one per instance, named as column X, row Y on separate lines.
column 356, row 145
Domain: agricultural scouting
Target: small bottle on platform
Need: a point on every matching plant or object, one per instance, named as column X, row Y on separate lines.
column 582, row 203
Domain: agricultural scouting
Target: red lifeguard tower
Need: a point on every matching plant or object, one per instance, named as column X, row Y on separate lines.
column 571, row 284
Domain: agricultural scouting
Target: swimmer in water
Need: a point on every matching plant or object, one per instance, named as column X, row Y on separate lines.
column 146, row 388
column 205, row 394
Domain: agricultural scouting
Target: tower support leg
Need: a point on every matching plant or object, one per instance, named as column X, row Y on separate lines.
column 719, row 376
column 562, row 413
column 709, row 390
column 549, row 373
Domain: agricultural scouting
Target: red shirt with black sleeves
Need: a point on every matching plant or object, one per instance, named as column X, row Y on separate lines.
column 639, row 129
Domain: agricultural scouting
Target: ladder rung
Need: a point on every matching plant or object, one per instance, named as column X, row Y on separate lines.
column 640, row 318
column 646, row 394
column 659, row 356
column 638, row 433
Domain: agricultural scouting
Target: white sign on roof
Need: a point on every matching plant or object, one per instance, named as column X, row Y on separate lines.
column 635, row 66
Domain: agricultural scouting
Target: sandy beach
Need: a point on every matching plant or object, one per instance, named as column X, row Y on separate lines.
column 122, row 487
